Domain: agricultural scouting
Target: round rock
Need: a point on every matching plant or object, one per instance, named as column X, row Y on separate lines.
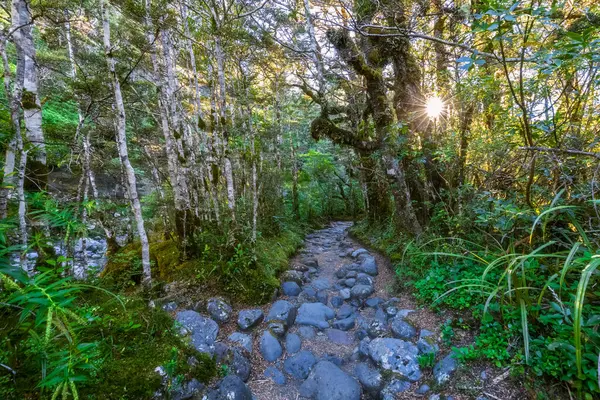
column 327, row 381
column 249, row 318
column 218, row 309
column 299, row 365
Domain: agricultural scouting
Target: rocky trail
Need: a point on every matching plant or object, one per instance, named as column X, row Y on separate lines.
column 334, row 333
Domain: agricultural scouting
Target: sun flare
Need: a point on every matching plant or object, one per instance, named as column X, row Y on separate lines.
column 434, row 107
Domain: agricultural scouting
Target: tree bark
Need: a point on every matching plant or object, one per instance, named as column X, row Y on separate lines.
column 121, row 138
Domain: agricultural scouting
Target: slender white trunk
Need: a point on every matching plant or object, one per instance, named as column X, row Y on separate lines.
column 9, row 160
column 30, row 101
column 121, row 138
column 314, row 48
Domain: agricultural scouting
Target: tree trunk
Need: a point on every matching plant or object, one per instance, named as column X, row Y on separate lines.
column 37, row 173
column 121, row 138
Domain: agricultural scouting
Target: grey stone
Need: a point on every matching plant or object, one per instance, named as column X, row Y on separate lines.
column 345, row 294
column 218, row 309
column 341, row 272
column 233, row 358
column 299, row 365
column 361, row 291
column 363, row 348
column 358, row 252
column 402, row 329
column 345, row 311
column 277, row 328
column 203, row 331
column 241, row 339
column 230, row 388
column 292, row 276
column 373, row 302
column 333, row 358
column 422, row 389
column 364, row 279
column 435, row 397
column 368, row 265
column 350, row 282
column 284, row 311
column 321, row 284
column 327, row 381
column 337, row 301
column 361, row 334
column 377, row 328
column 187, row 390
column 426, row 342
column 351, row 274
column 444, row 368
column 311, row 262
column 307, row 332
column 290, row 288
column 249, row 318
column 322, row 296
column 370, row 378
column 395, row 386
column 345, row 324
column 314, row 314
column 270, row 348
column 292, row 343
column 397, row 356
column 170, row 306
column 340, row 337
column 275, row 375
column 391, row 311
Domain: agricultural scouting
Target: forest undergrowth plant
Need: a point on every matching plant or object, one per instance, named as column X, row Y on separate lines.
column 543, row 293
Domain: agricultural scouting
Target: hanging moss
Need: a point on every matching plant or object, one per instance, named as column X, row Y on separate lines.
column 28, row 100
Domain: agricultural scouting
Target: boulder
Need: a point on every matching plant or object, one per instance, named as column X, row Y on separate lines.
column 290, row 289
column 340, row 337
column 230, row 388
column 314, row 314
column 233, row 358
column 374, row 302
column 307, row 332
column 275, row 375
column 327, row 381
column 345, row 324
column 368, row 265
column 358, row 252
column 361, row 291
column 249, row 318
column 218, row 309
column 321, row 284
column 186, row 390
column 242, row 340
column 299, row 365
column 370, row 378
column 292, row 343
column 391, row 390
column 203, row 331
column 284, row 311
column 402, row 329
column 444, row 368
column 270, row 348
column 397, row 356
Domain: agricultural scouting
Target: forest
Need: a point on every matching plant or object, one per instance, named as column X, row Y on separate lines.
column 300, row 199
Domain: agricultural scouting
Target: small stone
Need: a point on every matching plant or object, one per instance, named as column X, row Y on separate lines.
column 333, row 358
column 170, row 306
column 291, row 289
column 345, row 294
column 307, row 332
column 275, row 375
column 350, row 282
column 339, row 336
column 444, row 368
column 361, row 291
column 345, row 311
column 396, row 356
column 234, row 359
column 321, row 284
column 230, row 388
column 245, row 341
column 327, row 381
column 277, row 328
column 370, row 378
column 337, row 301
column 358, row 252
column 314, row 314
column 322, row 296
column 364, row 279
column 373, row 302
column 422, row 389
column 308, row 294
column 249, row 318
column 292, row 276
column 351, row 274
column 402, row 329
column 284, row 311
column 368, row 265
column 203, row 331
column 395, row 386
column 218, row 309
column 299, row 365
column 270, row 348
column 292, row 343
column 434, row 397
column 345, row 324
